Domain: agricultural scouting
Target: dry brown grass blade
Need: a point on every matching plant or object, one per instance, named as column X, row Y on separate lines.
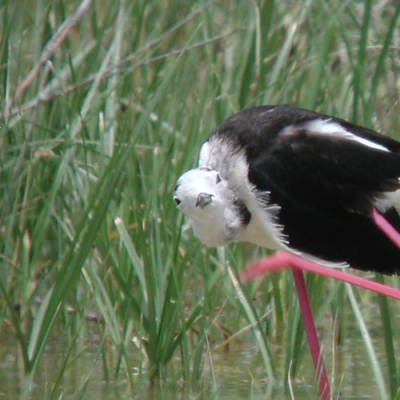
column 52, row 45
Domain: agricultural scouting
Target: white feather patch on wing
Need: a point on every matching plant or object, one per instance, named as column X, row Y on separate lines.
column 328, row 127
column 388, row 200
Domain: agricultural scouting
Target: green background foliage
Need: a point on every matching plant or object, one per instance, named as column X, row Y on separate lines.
column 96, row 263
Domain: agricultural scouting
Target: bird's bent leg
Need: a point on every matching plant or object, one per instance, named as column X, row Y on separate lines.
column 283, row 260
column 386, row 227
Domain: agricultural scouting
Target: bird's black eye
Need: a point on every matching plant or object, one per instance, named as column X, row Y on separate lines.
column 218, row 178
column 176, row 187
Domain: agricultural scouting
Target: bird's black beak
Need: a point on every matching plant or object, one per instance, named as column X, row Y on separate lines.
column 203, row 199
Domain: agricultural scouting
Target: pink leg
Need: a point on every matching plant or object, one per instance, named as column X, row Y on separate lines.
column 311, row 333
column 280, row 261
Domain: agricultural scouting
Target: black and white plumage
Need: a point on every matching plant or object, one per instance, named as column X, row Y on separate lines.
column 292, row 179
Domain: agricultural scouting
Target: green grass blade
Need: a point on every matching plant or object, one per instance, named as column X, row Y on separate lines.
column 388, row 337
column 248, row 308
column 368, row 344
column 78, row 254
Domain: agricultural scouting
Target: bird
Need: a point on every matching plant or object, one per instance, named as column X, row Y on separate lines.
column 295, row 180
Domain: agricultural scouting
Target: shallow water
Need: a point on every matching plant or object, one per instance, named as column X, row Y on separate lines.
column 230, row 378
column 235, row 374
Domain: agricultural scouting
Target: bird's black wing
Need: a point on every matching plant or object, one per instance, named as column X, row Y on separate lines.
column 326, row 172
column 325, row 188
column 324, row 182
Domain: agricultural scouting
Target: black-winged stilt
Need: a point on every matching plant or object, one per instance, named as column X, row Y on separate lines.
column 320, row 190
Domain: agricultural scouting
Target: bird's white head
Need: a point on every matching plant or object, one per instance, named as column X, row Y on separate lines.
column 205, row 198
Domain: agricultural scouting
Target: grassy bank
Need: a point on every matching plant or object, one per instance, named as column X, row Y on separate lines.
column 101, row 109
